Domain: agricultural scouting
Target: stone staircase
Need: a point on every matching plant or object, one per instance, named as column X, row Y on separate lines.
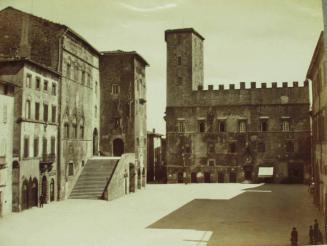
column 94, row 178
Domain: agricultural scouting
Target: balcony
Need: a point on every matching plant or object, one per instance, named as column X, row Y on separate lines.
column 46, row 162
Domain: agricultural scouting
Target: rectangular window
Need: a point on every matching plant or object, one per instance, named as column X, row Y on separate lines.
column 115, row 89
column 242, row 126
column 26, row 147
column 88, row 79
column 179, row 60
column 54, row 114
column 53, row 145
column 221, row 126
column 54, row 89
column 29, row 81
column 75, row 130
column 45, row 85
column 70, row 169
column 36, row 147
column 263, row 125
column 181, row 126
column 28, row 109
column 202, row 126
column 83, row 77
column 45, row 147
column 68, row 70
column 81, row 131
column 37, row 83
column 285, row 125
column 211, row 162
column 45, row 112
column 37, row 111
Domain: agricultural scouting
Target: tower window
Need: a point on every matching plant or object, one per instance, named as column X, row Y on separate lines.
column 242, row 126
column 264, row 125
column 181, row 126
column 115, row 89
column 202, row 126
column 285, row 125
column 179, row 60
column 221, row 126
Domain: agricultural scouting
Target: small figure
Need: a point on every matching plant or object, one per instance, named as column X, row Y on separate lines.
column 311, row 235
column 41, row 201
column 294, row 237
column 315, row 231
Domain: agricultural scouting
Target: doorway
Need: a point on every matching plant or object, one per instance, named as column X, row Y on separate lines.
column 44, row 191
column 232, row 177
column 180, row 177
column 95, row 142
column 52, row 190
column 34, row 193
column 207, row 177
column 25, row 195
column 221, row 177
column 193, row 178
column 118, row 147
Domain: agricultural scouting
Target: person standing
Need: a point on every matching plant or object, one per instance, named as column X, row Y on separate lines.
column 315, row 232
column 294, row 237
column 41, row 201
column 311, row 235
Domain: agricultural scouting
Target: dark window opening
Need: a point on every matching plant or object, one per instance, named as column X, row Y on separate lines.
column 202, row 126
column 232, row 147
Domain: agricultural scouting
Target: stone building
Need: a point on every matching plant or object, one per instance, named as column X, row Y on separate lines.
column 35, row 130
column 123, row 108
column 155, row 158
column 60, row 48
column 317, row 74
column 231, row 135
column 6, row 145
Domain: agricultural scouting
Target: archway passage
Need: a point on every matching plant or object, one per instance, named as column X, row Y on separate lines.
column 25, row 195
column 131, row 177
column 95, row 142
column 52, row 190
column 45, row 189
column 118, row 147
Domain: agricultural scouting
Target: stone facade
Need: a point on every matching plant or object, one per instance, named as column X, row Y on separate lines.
column 123, row 107
column 226, row 135
column 6, row 148
column 317, row 74
column 58, row 47
column 35, row 131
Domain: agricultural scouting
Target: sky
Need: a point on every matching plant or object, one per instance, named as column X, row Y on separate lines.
column 245, row 40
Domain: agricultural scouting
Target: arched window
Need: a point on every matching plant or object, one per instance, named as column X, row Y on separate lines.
column 28, row 109
column 74, row 127
column 81, row 129
column 52, row 190
column 66, row 130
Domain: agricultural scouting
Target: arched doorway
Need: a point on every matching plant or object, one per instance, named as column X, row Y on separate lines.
column 44, row 191
column 118, row 147
column 131, row 177
column 95, row 142
column 34, row 193
column 25, row 195
column 52, row 190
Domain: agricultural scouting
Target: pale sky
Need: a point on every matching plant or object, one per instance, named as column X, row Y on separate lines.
column 245, row 40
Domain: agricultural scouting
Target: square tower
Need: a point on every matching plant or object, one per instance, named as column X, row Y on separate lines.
column 184, row 64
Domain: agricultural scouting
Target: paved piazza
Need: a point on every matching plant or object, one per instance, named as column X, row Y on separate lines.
column 168, row 215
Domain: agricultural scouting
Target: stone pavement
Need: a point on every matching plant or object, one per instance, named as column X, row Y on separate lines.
column 169, row 215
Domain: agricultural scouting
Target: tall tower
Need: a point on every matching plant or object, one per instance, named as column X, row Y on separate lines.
column 184, row 64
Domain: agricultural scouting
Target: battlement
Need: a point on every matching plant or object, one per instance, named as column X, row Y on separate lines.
column 253, row 85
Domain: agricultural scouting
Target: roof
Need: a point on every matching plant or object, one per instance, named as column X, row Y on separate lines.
column 121, row 52
column 319, row 48
column 60, row 26
column 25, row 60
column 11, row 83
column 183, row 30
